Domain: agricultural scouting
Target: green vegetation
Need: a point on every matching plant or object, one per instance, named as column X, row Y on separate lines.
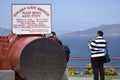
column 109, row 72
column 73, row 72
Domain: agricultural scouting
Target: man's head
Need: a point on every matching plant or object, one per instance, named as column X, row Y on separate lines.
column 100, row 33
column 52, row 34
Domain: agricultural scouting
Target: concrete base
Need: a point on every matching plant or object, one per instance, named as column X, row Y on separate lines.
column 65, row 75
column 7, row 75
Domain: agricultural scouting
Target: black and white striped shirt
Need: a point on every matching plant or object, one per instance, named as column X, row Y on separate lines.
column 98, row 47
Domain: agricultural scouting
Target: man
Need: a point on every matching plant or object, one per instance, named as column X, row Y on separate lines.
column 97, row 48
column 65, row 47
column 54, row 37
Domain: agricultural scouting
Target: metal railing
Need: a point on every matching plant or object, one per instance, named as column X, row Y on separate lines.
column 75, row 58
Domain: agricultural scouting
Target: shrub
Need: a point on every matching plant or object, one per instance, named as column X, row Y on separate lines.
column 108, row 70
column 89, row 70
column 73, row 72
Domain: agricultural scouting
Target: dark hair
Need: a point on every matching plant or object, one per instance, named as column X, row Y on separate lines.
column 53, row 33
column 100, row 33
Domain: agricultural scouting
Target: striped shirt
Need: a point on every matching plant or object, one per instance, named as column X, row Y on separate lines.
column 98, row 47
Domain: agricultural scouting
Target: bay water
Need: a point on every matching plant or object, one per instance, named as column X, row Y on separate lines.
column 79, row 48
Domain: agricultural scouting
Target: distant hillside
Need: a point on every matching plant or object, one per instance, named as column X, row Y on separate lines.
column 109, row 30
column 4, row 31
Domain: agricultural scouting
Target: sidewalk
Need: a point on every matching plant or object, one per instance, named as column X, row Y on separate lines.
column 80, row 78
column 84, row 78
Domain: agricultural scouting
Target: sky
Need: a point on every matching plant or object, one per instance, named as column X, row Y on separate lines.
column 70, row 15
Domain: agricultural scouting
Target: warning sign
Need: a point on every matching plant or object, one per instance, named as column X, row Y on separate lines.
column 31, row 19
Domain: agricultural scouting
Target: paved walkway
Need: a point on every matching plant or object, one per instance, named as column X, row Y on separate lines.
column 80, row 78
column 83, row 78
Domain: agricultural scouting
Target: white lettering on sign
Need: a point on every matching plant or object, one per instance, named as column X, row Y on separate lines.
column 31, row 19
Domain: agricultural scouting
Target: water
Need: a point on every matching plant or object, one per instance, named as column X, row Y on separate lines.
column 79, row 48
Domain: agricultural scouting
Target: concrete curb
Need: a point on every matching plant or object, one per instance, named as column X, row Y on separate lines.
column 7, row 75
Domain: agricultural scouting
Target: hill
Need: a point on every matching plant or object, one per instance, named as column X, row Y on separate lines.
column 4, row 31
column 109, row 30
